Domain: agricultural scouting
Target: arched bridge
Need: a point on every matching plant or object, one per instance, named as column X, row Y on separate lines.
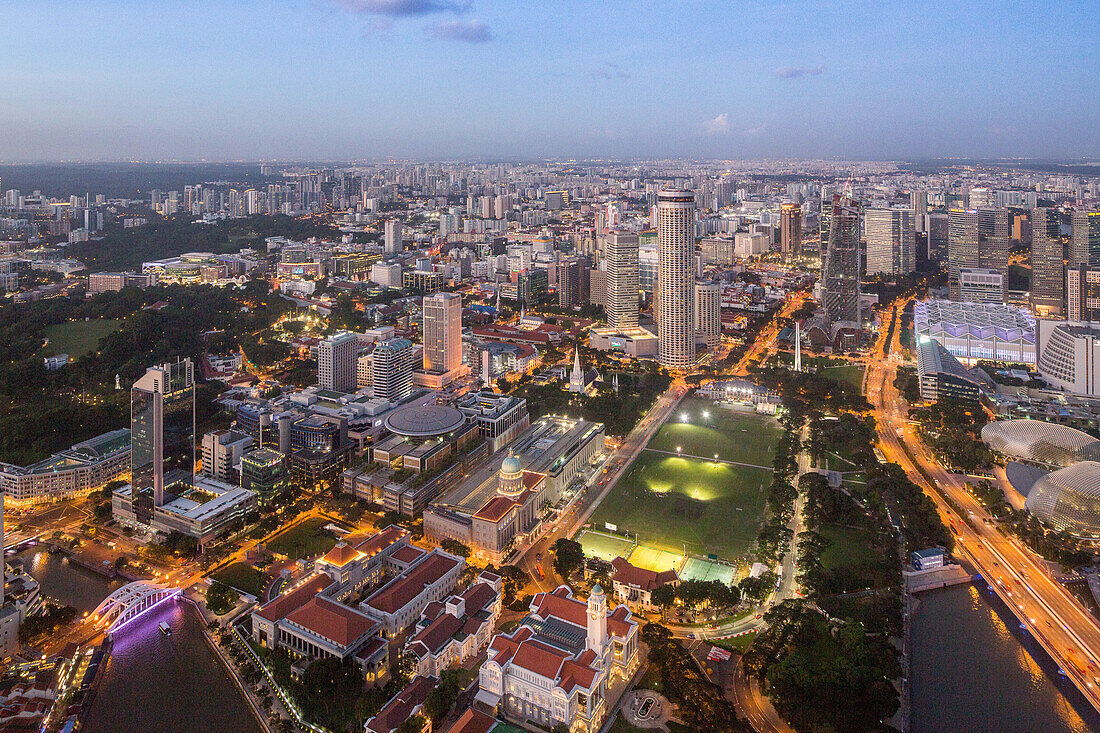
column 129, row 602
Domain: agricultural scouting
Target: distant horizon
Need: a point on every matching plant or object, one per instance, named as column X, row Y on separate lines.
column 305, row 80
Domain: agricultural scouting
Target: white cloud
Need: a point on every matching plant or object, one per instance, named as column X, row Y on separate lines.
column 466, row 31
column 720, row 125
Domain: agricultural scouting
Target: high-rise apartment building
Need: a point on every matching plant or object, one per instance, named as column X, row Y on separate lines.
column 1047, row 262
column 1082, row 293
column 337, row 357
column 976, row 238
column 790, row 231
column 891, row 241
column 918, row 203
column 162, row 432
column 841, row 263
column 621, row 297
column 394, row 241
column 569, row 281
column 675, row 279
column 708, row 314
column 1085, row 238
column 442, row 332
column 392, row 370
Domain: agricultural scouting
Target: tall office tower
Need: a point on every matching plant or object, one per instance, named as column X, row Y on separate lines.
column 1082, row 293
column 569, row 281
column 976, row 238
column 394, row 241
column 1085, row 238
column 392, row 370
column 825, row 223
column 790, row 231
column 621, row 295
column 1047, row 262
column 918, row 202
column 337, row 357
column 841, row 268
column 708, row 314
column 442, row 332
column 891, row 241
column 675, row 280
column 162, row 432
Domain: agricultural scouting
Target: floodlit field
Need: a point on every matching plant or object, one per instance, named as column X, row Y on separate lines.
column 77, row 338
column 696, row 569
column 684, row 504
column 700, row 428
column 651, row 558
column 604, row 546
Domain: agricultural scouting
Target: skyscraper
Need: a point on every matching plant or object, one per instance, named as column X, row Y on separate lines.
column 918, row 202
column 391, row 369
column 976, row 238
column 891, row 241
column 675, row 279
column 621, row 299
column 824, row 224
column 569, row 281
column 1047, row 262
column 442, row 332
column 841, row 266
column 790, row 230
column 337, row 358
column 1082, row 293
column 1085, row 238
column 708, row 313
column 394, row 241
column 162, row 432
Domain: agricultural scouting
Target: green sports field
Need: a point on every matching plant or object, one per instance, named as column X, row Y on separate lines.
column 699, row 428
column 677, row 504
column 77, row 338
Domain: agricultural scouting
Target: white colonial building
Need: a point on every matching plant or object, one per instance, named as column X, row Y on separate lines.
column 559, row 665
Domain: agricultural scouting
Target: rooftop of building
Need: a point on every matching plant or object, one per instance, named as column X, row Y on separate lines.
column 397, row 594
column 331, row 620
column 424, row 420
column 543, row 448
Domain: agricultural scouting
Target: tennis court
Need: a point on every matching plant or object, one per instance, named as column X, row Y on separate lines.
column 698, row 569
column 651, row 558
column 604, row 546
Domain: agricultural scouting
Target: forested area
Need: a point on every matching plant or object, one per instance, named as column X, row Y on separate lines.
column 44, row 411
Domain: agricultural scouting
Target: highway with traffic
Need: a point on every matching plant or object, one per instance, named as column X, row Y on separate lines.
column 1045, row 608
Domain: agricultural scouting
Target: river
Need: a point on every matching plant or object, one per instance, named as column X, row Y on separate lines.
column 975, row 669
column 152, row 682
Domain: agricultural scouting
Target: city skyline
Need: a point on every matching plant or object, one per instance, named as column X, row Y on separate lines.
column 359, row 79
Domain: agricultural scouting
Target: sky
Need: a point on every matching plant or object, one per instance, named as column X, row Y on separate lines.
column 449, row 79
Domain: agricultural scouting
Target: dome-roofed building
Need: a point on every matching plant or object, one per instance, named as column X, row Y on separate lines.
column 510, row 481
column 1068, row 500
column 1037, row 441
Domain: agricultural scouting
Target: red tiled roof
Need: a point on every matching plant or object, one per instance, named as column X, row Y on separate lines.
column 407, row 554
column 539, row 658
column 495, row 509
column 381, row 540
column 633, row 575
column 532, row 479
column 332, row 620
column 401, row 706
column 394, row 597
column 278, row 608
column 477, row 597
column 473, row 721
column 436, row 634
column 340, row 555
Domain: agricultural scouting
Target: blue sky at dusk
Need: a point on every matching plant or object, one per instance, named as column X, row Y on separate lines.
column 358, row 79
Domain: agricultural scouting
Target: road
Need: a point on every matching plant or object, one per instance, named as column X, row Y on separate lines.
column 1045, row 608
column 766, row 337
column 598, row 486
